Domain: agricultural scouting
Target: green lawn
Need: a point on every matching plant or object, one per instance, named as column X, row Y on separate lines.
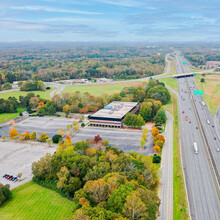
column 180, row 205
column 98, row 90
column 33, row 202
column 211, row 88
column 8, row 116
column 170, row 82
column 172, row 69
column 16, row 94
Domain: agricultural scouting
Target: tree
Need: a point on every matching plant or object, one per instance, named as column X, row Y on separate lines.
column 133, row 120
column 49, row 141
column 97, row 190
column 156, row 148
column 106, row 142
column 43, row 137
column 142, row 143
column 160, row 117
column 156, row 159
column 61, row 132
column 146, row 112
column 81, row 146
column 159, row 137
column 33, row 102
column 13, row 133
column 97, row 138
column 62, row 175
column 159, row 143
column 7, row 86
column 56, row 138
column 66, row 109
column 33, row 135
column 117, row 199
column 202, row 80
column 154, row 131
column 134, row 208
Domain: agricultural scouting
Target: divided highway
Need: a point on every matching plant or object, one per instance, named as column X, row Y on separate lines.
column 201, row 170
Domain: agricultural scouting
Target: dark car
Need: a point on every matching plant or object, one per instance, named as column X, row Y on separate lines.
column 14, row 179
column 5, row 176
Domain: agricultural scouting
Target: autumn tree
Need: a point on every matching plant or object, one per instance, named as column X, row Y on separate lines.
column 154, row 131
column 159, row 137
column 13, row 133
column 43, row 137
column 66, row 109
column 156, row 148
column 97, row 190
column 33, row 135
column 134, row 208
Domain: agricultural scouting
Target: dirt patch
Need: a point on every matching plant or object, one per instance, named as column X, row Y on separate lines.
column 212, row 77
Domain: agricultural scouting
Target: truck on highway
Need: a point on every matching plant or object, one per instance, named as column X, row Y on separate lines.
column 203, row 103
column 195, row 146
column 208, row 122
column 186, row 118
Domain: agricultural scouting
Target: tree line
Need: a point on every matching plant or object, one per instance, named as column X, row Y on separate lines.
column 104, row 183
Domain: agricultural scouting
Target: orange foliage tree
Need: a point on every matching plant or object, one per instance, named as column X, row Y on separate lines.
column 156, row 148
column 159, row 137
column 154, row 131
column 13, row 133
column 40, row 104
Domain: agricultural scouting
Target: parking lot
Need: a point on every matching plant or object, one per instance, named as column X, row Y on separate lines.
column 18, row 157
column 126, row 140
column 49, row 125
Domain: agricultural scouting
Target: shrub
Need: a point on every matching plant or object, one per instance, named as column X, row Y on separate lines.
column 43, row 137
column 56, row 138
column 106, row 142
column 156, row 148
column 13, row 133
column 82, row 124
column 33, row 135
column 97, row 138
column 48, row 87
column 5, row 193
column 202, row 80
column 156, row 159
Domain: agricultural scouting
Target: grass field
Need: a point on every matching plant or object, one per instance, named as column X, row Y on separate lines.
column 172, row 69
column 16, row 94
column 100, row 89
column 180, row 205
column 170, row 82
column 31, row 201
column 8, row 116
column 211, row 88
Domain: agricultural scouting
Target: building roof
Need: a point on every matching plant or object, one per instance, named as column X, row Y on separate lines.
column 115, row 110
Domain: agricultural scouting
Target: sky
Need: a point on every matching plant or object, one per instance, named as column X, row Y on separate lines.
column 110, row 20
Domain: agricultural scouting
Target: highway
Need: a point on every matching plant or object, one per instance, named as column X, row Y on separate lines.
column 201, row 170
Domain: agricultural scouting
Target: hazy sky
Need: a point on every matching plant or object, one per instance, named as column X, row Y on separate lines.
column 110, row 20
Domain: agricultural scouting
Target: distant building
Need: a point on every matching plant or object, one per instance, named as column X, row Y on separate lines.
column 113, row 114
column 213, row 64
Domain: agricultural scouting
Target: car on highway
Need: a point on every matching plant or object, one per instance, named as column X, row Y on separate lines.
column 190, row 122
column 183, row 112
column 195, row 146
column 185, row 91
column 203, row 103
column 186, row 118
column 208, row 122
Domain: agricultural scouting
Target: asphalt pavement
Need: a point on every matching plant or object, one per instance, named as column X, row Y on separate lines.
column 201, row 188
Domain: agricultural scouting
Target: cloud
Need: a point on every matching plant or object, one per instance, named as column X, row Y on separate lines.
column 49, row 9
column 48, row 28
column 126, row 3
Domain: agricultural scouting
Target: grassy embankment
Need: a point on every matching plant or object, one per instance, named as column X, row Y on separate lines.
column 211, row 88
column 8, row 116
column 43, row 94
column 180, row 205
column 172, row 69
column 31, row 201
column 100, row 89
column 170, row 82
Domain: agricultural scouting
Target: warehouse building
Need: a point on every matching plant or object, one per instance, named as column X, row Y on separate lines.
column 113, row 114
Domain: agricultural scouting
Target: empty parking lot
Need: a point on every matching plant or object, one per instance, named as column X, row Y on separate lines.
column 126, row 140
column 18, row 157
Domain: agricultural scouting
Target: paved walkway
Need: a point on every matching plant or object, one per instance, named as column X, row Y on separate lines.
column 166, row 184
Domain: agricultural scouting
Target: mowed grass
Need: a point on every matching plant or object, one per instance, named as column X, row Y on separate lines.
column 211, row 88
column 43, row 94
column 170, row 82
column 172, row 69
column 100, row 89
column 180, row 205
column 8, row 116
column 31, row 201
